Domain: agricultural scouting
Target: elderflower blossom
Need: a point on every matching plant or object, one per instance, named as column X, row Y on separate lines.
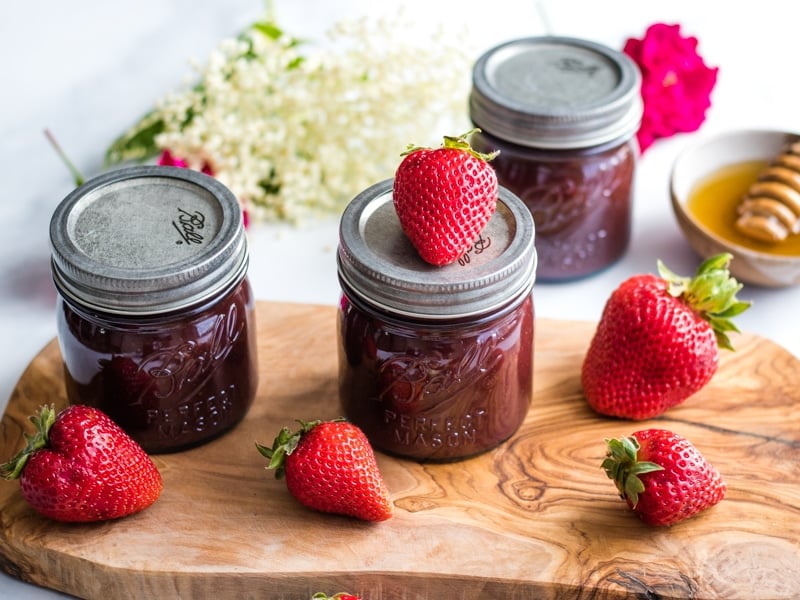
column 294, row 134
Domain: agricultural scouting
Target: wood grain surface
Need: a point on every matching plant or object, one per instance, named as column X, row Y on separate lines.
column 534, row 518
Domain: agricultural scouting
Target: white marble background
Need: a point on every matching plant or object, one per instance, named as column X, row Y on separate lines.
column 87, row 69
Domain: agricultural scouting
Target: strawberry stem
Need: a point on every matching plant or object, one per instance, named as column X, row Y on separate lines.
column 42, row 421
column 458, row 142
column 623, row 467
column 711, row 293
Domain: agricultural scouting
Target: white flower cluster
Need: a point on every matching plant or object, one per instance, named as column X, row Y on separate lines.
column 293, row 134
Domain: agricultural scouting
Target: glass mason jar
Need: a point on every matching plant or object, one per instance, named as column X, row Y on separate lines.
column 563, row 113
column 435, row 363
column 156, row 317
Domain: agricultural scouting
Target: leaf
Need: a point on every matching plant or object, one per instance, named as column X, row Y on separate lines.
column 623, row 466
column 269, row 29
column 295, row 63
column 137, row 144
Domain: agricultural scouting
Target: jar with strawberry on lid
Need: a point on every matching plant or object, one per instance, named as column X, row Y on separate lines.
column 156, row 317
column 435, row 362
column 563, row 113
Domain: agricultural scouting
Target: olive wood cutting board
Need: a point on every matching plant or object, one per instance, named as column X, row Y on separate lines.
column 534, row 518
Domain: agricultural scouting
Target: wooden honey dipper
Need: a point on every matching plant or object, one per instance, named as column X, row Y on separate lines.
column 770, row 210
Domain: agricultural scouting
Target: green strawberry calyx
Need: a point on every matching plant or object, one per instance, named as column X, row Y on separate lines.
column 43, row 422
column 458, row 142
column 711, row 293
column 623, row 467
column 284, row 444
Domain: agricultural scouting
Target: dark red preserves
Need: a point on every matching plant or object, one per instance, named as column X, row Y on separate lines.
column 581, row 201
column 171, row 381
column 436, row 391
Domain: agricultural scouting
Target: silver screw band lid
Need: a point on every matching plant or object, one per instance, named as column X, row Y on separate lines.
column 147, row 240
column 556, row 93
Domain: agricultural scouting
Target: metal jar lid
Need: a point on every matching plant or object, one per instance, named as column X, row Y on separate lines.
column 378, row 263
column 556, row 93
column 147, row 240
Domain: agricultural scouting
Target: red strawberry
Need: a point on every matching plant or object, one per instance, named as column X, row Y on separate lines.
column 662, row 476
column 444, row 197
column 330, row 467
column 658, row 340
column 80, row 466
column 339, row 596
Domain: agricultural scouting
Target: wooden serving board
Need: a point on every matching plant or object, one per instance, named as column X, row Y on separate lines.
column 535, row 518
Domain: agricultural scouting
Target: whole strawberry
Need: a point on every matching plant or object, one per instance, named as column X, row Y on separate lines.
column 658, row 340
column 444, row 197
column 662, row 476
column 81, row 466
column 330, row 467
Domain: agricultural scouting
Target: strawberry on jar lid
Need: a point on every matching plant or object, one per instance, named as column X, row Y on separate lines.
column 378, row 263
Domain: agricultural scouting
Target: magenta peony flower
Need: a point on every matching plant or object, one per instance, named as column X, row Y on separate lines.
column 676, row 83
column 170, row 160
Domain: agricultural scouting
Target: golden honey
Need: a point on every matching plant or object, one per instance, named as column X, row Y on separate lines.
column 713, row 203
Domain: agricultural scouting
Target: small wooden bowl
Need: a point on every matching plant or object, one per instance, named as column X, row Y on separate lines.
column 703, row 159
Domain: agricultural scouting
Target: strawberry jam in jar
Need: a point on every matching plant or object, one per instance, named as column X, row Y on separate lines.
column 156, row 314
column 435, row 363
column 563, row 113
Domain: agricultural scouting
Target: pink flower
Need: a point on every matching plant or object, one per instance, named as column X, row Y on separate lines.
column 170, row 160
column 676, row 83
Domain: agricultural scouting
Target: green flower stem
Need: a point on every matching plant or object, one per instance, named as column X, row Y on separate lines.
column 76, row 175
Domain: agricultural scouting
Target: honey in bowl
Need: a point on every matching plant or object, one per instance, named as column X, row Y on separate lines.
column 714, row 201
